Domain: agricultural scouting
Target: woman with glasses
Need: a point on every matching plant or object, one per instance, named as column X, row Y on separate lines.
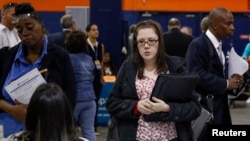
column 34, row 52
column 130, row 97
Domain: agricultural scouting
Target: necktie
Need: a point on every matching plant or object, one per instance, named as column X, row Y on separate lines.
column 220, row 54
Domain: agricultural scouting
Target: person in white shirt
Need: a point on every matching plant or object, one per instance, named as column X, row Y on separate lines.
column 8, row 33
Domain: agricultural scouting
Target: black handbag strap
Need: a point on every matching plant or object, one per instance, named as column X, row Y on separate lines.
column 210, row 102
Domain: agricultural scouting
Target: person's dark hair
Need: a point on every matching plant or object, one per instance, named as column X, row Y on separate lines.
column 8, row 5
column 67, row 21
column 174, row 22
column 25, row 9
column 49, row 115
column 161, row 57
column 76, row 41
column 88, row 27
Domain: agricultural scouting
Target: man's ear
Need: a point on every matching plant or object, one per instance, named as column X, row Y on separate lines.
column 3, row 14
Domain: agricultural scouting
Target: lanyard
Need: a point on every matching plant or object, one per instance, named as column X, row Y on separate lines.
column 93, row 48
column 96, row 52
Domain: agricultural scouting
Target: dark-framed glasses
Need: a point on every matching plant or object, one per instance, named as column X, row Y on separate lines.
column 150, row 42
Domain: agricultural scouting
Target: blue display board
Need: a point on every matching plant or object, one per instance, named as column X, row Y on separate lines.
column 108, row 16
column 103, row 115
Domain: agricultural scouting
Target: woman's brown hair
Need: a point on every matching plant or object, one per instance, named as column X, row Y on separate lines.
column 160, row 58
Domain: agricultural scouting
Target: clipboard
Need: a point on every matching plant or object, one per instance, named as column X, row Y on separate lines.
column 175, row 87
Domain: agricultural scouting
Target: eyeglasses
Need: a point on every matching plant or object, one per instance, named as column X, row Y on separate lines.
column 26, row 16
column 150, row 42
column 22, row 16
column 9, row 5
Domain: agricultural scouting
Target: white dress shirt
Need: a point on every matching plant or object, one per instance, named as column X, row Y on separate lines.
column 8, row 37
column 218, row 46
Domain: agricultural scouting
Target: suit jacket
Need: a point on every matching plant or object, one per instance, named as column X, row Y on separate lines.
column 176, row 42
column 58, row 38
column 57, row 62
column 123, row 99
column 202, row 58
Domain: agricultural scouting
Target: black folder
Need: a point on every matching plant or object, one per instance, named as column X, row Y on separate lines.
column 175, row 87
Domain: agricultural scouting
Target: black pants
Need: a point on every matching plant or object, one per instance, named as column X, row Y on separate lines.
column 97, row 87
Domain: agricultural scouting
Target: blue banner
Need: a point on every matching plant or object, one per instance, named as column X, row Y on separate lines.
column 103, row 115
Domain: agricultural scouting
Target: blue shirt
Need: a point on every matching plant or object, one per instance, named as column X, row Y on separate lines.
column 246, row 52
column 19, row 68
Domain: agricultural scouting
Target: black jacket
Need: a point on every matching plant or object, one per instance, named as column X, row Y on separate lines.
column 176, row 42
column 58, row 38
column 123, row 98
column 57, row 62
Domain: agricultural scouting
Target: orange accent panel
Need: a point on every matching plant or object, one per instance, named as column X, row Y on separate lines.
column 145, row 5
column 110, row 78
column 50, row 5
column 185, row 5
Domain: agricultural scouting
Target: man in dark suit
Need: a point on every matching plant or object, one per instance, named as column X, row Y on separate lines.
column 176, row 42
column 68, row 24
column 205, row 58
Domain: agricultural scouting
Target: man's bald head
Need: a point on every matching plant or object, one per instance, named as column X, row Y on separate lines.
column 217, row 15
column 221, row 23
column 204, row 24
column 174, row 23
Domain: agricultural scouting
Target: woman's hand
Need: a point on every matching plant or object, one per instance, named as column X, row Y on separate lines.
column 158, row 105
column 18, row 111
column 145, row 107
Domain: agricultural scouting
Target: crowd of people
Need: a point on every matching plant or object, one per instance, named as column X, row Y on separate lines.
column 65, row 107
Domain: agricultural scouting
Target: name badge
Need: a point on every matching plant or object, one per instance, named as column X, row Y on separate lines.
column 98, row 64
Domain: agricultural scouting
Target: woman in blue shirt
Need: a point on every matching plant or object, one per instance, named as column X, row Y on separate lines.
column 85, row 110
column 34, row 51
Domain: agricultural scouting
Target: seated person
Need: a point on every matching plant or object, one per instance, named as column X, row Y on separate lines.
column 49, row 117
column 109, row 68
